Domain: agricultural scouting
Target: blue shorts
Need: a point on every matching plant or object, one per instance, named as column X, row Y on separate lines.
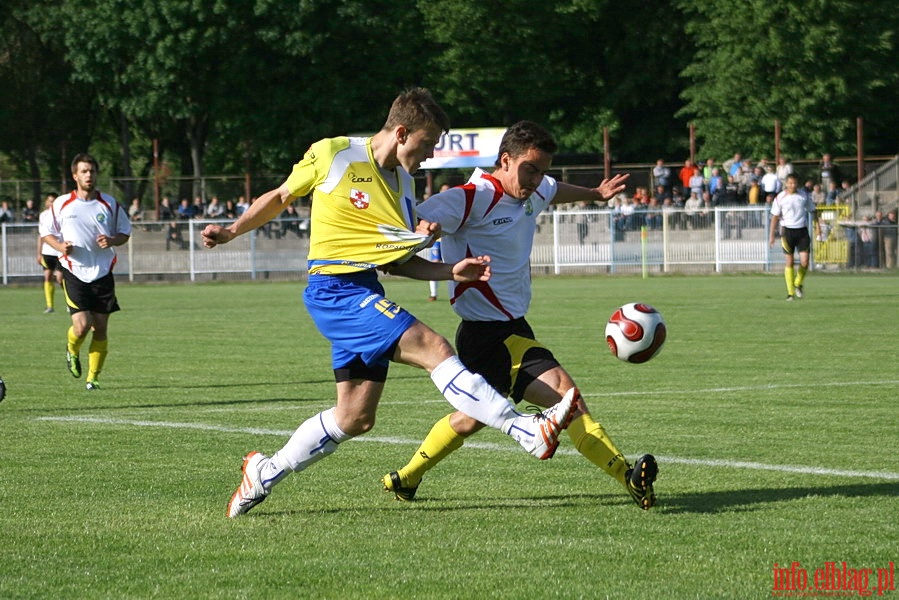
column 435, row 252
column 353, row 314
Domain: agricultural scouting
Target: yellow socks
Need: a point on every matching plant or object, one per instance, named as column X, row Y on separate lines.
column 591, row 440
column 790, row 277
column 74, row 343
column 800, row 276
column 48, row 293
column 442, row 440
column 96, row 356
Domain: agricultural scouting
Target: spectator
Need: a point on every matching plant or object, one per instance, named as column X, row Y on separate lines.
column 877, row 239
column 829, row 171
column 732, row 165
column 685, row 174
column 770, row 184
column 290, row 221
column 186, row 210
column 230, row 210
column 135, row 211
column 199, row 206
column 242, row 205
column 832, row 195
column 661, row 194
column 692, row 210
column 173, row 236
column 661, row 174
column 817, row 194
column 6, row 213
column 728, row 193
column 707, row 172
column 627, row 213
column 715, row 185
column 30, row 214
column 697, row 184
column 866, row 235
column 166, row 211
column 889, row 233
column 214, row 209
column 653, row 215
column 784, row 168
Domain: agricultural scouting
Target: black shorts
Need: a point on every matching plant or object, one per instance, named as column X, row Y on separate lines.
column 97, row 296
column 794, row 240
column 50, row 262
column 505, row 353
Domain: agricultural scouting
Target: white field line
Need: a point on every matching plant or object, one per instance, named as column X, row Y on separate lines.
column 731, row 464
column 328, row 402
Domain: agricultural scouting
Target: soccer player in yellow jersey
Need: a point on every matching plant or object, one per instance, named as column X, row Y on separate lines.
column 363, row 219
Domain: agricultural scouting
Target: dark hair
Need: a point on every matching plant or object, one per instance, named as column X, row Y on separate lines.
column 83, row 157
column 522, row 136
column 416, row 109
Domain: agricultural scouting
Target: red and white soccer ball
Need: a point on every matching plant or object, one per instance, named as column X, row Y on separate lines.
column 636, row 332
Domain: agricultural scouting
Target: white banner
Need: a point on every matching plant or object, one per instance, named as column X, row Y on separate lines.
column 466, row 148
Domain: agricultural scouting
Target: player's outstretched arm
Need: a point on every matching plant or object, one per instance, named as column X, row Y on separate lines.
column 266, row 207
column 466, row 270
column 568, row 193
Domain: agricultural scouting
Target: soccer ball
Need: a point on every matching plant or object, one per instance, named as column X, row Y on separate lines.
column 636, row 332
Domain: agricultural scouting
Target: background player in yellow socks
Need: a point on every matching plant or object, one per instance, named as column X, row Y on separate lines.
column 792, row 211
column 84, row 227
column 48, row 258
column 496, row 214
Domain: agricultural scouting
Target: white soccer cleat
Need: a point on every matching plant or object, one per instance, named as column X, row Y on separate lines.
column 539, row 434
column 250, row 493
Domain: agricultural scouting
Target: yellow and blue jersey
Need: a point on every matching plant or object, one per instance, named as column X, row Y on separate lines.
column 359, row 221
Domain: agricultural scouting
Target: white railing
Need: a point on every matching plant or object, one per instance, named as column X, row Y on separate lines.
column 568, row 241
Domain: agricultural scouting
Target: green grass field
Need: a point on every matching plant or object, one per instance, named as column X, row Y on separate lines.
column 775, row 426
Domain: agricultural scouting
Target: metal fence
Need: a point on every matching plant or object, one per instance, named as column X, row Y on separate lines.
column 728, row 239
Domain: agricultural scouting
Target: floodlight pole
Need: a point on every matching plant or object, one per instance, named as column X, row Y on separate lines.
column 776, row 141
column 606, row 154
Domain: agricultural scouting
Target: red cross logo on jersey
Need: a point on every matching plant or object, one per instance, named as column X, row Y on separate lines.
column 359, row 199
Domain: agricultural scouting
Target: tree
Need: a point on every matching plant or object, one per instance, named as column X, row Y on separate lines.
column 802, row 62
column 38, row 103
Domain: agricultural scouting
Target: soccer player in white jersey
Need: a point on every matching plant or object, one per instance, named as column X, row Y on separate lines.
column 48, row 257
column 496, row 213
column 85, row 227
column 792, row 211
column 363, row 219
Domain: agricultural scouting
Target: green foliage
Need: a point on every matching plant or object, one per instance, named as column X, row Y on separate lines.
column 802, row 63
column 249, row 84
column 121, row 493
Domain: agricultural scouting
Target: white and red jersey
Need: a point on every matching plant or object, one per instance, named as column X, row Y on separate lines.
column 793, row 209
column 480, row 218
column 80, row 222
column 45, row 222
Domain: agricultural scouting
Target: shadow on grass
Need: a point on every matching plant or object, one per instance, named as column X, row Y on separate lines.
column 699, row 502
column 752, row 499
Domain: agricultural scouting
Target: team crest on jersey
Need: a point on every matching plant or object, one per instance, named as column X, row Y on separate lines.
column 359, row 199
column 101, row 218
column 528, row 208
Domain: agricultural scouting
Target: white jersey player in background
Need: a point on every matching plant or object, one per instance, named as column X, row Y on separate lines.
column 86, row 224
column 792, row 211
column 496, row 214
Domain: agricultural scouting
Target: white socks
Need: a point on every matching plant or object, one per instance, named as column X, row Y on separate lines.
column 471, row 394
column 314, row 439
